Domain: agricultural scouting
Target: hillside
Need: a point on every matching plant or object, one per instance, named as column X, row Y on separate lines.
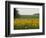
column 28, row 16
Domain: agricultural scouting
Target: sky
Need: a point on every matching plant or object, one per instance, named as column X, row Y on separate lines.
column 27, row 11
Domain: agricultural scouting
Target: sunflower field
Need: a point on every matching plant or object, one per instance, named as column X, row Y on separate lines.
column 20, row 23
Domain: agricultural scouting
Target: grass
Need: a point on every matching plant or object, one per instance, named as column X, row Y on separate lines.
column 26, row 22
column 26, row 27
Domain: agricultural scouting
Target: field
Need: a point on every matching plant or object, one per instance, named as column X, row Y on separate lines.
column 26, row 22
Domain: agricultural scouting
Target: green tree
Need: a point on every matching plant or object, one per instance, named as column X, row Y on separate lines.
column 16, row 15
